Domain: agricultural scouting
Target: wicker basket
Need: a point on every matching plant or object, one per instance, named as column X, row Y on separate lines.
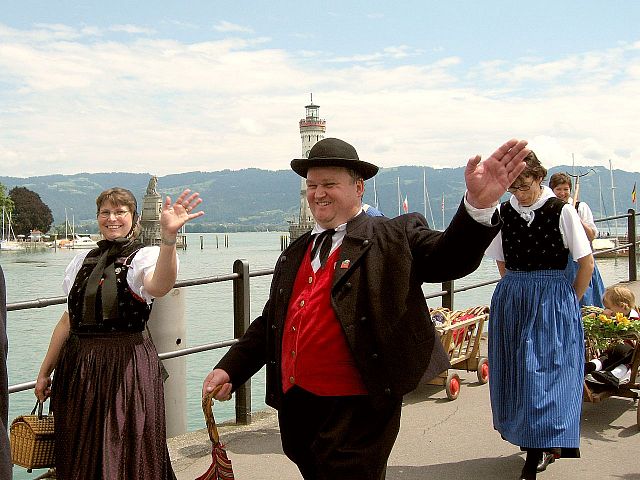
column 32, row 440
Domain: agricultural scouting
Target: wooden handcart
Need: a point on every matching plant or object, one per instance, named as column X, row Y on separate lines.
column 460, row 332
column 595, row 393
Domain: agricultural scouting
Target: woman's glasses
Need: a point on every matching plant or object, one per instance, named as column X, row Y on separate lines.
column 116, row 213
column 523, row 187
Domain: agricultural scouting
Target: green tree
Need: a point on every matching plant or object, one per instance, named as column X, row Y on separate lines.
column 30, row 212
column 5, row 200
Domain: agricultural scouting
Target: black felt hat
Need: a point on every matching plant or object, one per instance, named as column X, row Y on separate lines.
column 333, row 152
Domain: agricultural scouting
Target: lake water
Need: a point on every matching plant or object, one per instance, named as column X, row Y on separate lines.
column 209, row 310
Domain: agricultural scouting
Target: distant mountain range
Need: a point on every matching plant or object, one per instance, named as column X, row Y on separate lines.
column 254, row 199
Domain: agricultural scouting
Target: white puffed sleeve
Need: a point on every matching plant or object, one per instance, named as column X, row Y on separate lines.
column 142, row 265
column 586, row 215
column 71, row 271
column 573, row 234
column 494, row 250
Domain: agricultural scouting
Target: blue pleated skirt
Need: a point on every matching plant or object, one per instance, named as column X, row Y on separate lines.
column 595, row 289
column 536, row 357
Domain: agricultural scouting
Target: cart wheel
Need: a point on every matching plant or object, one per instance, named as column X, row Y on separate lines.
column 483, row 370
column 452, row 386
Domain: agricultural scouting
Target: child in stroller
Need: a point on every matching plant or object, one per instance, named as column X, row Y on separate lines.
column 613, row 366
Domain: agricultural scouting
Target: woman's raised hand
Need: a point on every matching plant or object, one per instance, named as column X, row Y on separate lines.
column 174, row 216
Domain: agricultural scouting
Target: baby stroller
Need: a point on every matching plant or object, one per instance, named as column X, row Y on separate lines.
column 596, row 344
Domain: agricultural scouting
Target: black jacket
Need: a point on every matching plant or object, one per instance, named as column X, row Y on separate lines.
column 378, row 300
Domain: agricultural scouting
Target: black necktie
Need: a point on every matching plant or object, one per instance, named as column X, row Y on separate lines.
column 323, row 242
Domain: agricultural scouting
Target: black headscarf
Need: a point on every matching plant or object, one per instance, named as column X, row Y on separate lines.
column 104, row 274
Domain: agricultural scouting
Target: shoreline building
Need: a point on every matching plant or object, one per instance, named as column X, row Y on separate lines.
column 150, row 217
column 312, row 129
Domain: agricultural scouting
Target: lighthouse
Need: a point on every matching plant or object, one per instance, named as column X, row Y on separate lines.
column 312, row 129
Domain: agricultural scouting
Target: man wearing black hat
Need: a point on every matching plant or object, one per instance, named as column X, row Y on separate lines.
column 346, row 331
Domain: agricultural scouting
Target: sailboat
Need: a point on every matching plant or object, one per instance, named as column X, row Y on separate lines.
column 63, row 241
column 425, row 194
column 81, row 240
column 77, row 240
column 8, row 240
column 603, row 244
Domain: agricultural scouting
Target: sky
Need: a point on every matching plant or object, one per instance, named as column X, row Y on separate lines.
column 166, row 87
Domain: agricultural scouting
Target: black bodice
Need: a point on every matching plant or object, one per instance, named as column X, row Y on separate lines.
column 537, row 246
column 133, row 311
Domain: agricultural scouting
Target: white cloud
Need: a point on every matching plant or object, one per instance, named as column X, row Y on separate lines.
column 393, row 52
column 133, row 29
column 73, row 100
column 226, row 27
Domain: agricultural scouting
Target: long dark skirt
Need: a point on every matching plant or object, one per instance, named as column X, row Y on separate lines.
column 108, row 402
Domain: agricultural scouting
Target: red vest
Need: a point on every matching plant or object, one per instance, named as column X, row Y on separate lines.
column 315, row 352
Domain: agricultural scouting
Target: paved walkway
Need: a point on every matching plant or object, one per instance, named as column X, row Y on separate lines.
column 438, row 439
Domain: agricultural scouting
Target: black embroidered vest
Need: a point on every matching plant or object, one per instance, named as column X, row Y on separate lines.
column 133, row 310
column 537, row 246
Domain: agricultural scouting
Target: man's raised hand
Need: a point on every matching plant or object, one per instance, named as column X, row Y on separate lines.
column 488, row 180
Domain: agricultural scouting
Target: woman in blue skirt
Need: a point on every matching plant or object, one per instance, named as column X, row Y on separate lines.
column 536, row 343
column 560, row 183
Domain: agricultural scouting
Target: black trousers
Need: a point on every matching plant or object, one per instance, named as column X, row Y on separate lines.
column 338, row 438
column 621, row 354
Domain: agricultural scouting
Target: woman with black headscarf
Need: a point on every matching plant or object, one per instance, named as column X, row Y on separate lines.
column 107, row 393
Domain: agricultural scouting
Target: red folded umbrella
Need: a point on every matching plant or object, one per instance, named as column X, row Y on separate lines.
column 220, row 468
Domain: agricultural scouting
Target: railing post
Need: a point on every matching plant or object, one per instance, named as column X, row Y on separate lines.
column 241, row 321
column 168, row 329
column 631, row 238
column 447, row 298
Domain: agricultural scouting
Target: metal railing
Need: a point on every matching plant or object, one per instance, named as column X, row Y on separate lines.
column 631, row 241
column 241, row 312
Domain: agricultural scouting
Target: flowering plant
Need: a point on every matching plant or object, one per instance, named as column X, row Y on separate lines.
column 602, row 330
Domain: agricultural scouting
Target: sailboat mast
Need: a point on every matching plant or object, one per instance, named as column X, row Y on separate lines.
column 424, row 191
column 375, row 193
column 613, row 197
column 399, row 199
column 427, row 201
column 600, row 199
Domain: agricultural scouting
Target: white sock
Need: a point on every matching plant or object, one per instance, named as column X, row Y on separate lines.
column 620, row 371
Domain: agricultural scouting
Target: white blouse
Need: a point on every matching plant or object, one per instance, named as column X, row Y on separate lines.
column 143, row 263
column 585, row 214
column 573, row 236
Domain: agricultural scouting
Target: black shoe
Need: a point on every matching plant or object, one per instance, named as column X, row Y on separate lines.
column 606, row 377
column 546, row 460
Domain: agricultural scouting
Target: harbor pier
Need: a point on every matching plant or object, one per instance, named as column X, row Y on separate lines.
column 439, row 438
